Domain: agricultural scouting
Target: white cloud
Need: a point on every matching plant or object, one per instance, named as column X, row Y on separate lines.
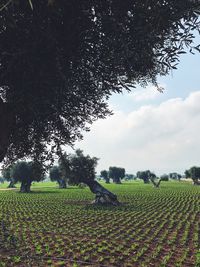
column 144, row 94
column 162, row 137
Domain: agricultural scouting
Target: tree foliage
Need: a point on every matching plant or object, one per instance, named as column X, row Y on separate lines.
column 175, row 176
column 105, row 175
column 145, row 176
column 164, row 177
column 116, row 173
column 7, row 175
column 194, row 174
column 78, row 168
column 26, row 173
column 55, row 174
column 61, row 60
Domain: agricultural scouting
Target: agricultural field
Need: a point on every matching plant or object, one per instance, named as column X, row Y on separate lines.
column 54, row 227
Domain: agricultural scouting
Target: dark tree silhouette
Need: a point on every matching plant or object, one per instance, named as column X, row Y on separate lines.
column 81, row 169
column 105, row 175
column 164, row 177
column 175, row 176
column 146, row 176
column 55, row 174
column 155, row 183
column 194, row 174
column 7, row 175
column 61, row 60
column 143, row 175
column 116, row 173
column 26, row 173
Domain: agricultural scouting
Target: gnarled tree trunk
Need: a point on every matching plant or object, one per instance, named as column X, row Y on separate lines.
column 25, row 187
column 117, row 181
column 11, row 184
column 62, row 184
column 103, row 196
column 155, row 184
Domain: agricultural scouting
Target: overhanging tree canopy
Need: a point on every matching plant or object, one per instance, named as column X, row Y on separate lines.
column 61, row 60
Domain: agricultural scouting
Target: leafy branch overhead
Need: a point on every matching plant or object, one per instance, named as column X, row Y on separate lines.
column 61, row 60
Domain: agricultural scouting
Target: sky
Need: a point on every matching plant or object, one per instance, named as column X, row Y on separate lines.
column 149, row 129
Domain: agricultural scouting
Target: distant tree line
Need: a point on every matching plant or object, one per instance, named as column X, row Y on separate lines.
column 77, row 168
column 114, row 173
column 72, row 169
column 117, row 174
column 194, row 174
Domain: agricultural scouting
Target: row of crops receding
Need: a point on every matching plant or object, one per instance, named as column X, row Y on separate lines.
column 53, row 227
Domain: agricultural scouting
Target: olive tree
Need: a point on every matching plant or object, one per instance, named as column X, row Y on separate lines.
column 61, row 60
column 55, row 174
column 148, row 176
column 105, row 175
column 175, row 176
column 26, row 173
column 7, row 175
column 80, row 168
column 116, row 173
column 194, row 174
column 144, row 175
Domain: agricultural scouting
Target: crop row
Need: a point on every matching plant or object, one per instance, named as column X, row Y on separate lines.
column 60, row 228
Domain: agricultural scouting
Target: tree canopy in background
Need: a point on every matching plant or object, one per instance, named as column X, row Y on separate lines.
column 78, row 168
column 194, row 174
column 116, row 173
column 61, row 60
column 55, row 175
column 175, row 175
column 105, row 176
column 7, row 175
column 146, row 176
column 25, row 173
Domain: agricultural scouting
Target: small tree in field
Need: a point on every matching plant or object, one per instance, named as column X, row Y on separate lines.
column 6, row 173
column 144, row 175
column 81, row 169
column 55, row 174
column 129, row 177
column 194, row 174
column 164, row 177
column 26, row 173
column 148, row 176
column 175, row 176
column 116, row 174
column 105, row 176
column 155, row 183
